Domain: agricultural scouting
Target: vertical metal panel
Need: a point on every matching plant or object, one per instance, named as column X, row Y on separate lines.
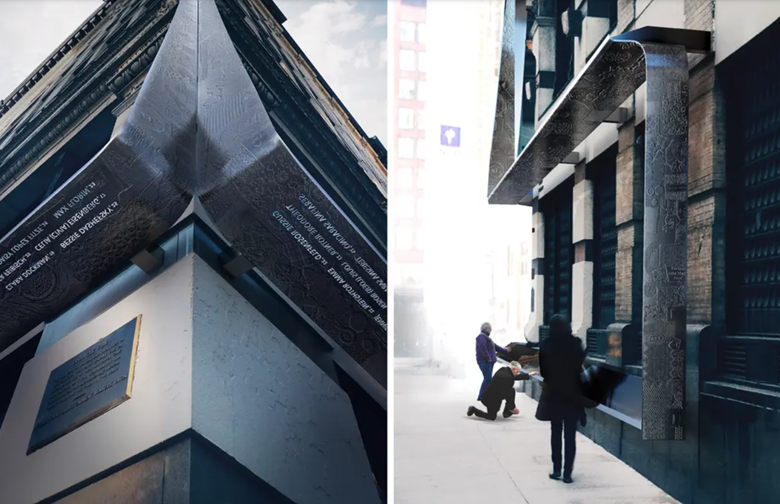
column 665, row 242
column 510, row 75
column 246, row 174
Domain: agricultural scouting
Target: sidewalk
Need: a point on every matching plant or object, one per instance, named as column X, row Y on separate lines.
column 443, row 456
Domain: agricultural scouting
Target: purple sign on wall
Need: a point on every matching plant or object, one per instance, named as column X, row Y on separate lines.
column 450, row 136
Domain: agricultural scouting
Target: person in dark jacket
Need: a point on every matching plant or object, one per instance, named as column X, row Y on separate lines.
column 486, row 356
column 561, row 358
column 500, row 389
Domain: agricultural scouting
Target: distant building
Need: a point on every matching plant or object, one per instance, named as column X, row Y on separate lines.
column 409, row 87
column 193, row 278
column 656, row 233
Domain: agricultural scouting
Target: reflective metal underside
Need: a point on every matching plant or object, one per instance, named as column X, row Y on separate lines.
column 613, row 74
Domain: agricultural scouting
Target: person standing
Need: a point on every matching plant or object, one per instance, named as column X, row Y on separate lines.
column 500, row 389
column 486, row 356
column 561, row 358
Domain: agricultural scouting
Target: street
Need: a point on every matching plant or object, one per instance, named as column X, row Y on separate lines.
column 443, row 456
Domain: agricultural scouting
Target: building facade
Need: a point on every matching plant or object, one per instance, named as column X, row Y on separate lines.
column 655, row 233
column 193, row 279
column 408, row 131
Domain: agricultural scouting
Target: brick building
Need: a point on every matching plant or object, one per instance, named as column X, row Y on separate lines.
column 407, row 35
column 653, row 175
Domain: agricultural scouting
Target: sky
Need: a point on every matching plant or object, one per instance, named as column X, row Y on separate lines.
column 345, row 40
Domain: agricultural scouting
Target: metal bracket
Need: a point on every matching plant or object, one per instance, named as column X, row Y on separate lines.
column 149, row 260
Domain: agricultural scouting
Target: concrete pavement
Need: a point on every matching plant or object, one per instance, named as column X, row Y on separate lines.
column 443, row 456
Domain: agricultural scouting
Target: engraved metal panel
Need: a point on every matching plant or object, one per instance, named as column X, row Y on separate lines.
column 271, row 210
column 118, row 203
column 86, row 386
column 257, row 194
column 613, row 73
column 508, row 112
column 665, row 245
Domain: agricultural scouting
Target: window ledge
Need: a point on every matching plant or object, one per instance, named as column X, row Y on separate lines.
column 633, row 422
column 746, row 394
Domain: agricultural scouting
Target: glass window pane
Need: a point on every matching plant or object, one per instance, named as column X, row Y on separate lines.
column 404, row 237
column 405, row 118
column 421, row 33
column 407, row 60
column 421, row 178
column 404, row 178
column 421, row 154
column 406, row 89
column 420, row 239
column 406, row 148
column 420, row 120
column 420, row 209
column 404, row 207
column 407, row 31
column 421, row 90
column 422, row 62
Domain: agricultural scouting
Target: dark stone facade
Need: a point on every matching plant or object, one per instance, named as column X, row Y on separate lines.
column 732, row 378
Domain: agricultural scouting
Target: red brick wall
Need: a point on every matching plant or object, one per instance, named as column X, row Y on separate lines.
column 699, row 15
column 706, row 193
column 629, row 208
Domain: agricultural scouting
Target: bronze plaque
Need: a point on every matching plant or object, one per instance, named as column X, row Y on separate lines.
column 86, row 386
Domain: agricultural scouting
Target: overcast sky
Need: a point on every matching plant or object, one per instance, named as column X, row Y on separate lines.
column 345, row 39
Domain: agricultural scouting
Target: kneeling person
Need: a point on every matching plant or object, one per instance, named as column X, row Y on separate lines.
column 500, row 389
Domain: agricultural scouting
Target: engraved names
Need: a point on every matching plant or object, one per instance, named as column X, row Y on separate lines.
column 319, row 237
column 74, row 217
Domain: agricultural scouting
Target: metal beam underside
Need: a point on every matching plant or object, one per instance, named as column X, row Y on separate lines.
column 613, row 74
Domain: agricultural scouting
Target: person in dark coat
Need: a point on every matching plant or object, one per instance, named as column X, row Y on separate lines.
column 500, row 389
column 486, row 356
column 561, row 358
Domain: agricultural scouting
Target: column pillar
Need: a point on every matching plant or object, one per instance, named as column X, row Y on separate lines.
column 665, row 259
column 537, row 274
column 544, row 37
column 582, row 240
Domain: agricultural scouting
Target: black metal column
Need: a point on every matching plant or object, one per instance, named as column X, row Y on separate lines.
column 665, row 242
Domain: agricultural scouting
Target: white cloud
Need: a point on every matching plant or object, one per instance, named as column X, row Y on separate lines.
column 347, row 46
column 380, row 20
column 349, row 49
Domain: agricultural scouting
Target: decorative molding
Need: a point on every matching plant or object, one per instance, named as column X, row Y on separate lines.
column 32, row 132
column 43, row 69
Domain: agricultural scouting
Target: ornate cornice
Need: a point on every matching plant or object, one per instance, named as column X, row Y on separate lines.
column 31, row 137
column 138, row 62
column 43, row 69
